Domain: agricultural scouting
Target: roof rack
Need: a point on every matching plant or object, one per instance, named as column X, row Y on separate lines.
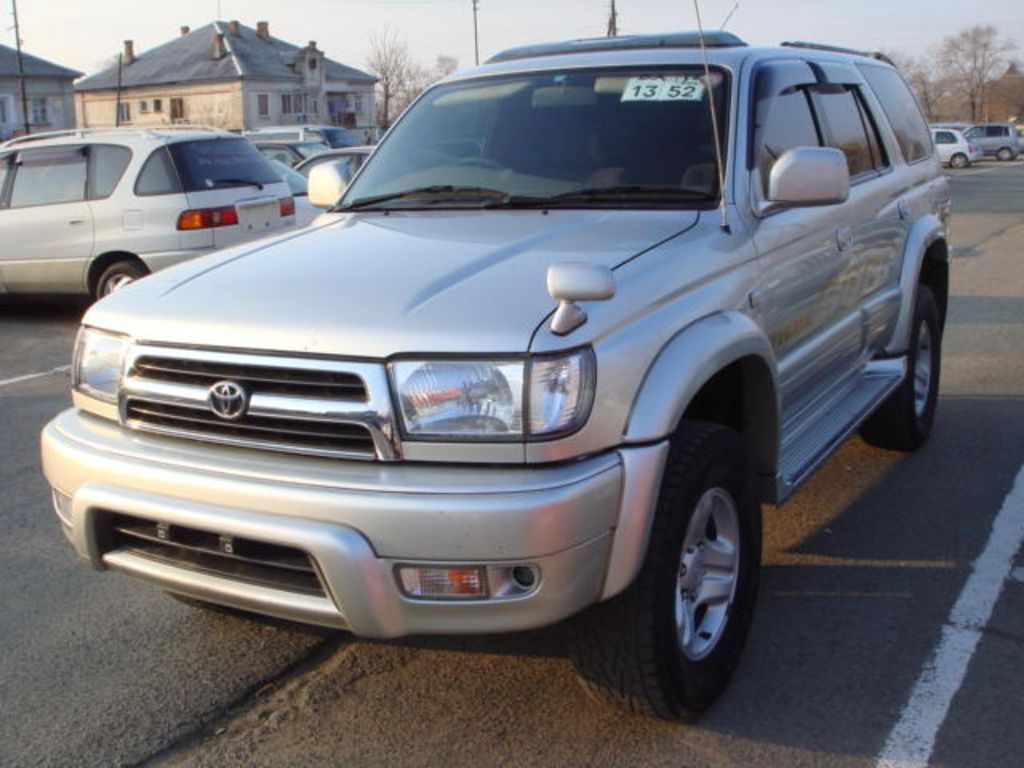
column 838, row 49
column 83, row 132
column 717, row 39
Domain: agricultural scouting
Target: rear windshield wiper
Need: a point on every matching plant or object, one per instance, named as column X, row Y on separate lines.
column 237, row 183
column 433, row 194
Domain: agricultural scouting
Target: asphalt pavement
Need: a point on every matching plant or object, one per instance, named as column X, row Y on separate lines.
column 864, row 626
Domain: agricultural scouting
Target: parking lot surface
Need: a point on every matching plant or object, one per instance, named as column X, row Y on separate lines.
column 863, row 609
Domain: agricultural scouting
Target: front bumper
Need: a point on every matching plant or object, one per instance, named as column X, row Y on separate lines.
column 582, row 526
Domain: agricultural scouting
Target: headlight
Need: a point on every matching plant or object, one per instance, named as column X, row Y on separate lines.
column 98, row 364
column 485, row 399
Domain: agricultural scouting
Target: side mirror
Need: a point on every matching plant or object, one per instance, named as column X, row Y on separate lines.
column 570, row 282
column 327, row 183
column 807, row 176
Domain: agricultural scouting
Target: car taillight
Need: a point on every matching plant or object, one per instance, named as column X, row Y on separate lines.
column 287, row 206
column 207, row 218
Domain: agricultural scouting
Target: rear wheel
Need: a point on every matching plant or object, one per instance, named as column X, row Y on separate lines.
column 959, row 161
column 118, row 275
column 904, row 421
column 669, row 644
column 1005, row 153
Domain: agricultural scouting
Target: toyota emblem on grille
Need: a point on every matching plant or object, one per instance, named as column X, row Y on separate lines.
column 228, row 400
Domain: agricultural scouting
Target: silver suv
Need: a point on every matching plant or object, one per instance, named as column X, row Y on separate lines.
column 87, row 211
column 999, row 140
column 584, row 310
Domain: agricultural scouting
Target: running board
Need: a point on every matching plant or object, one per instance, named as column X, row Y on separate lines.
column 834, row 420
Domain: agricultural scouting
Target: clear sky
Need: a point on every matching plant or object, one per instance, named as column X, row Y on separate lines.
column 84, row 33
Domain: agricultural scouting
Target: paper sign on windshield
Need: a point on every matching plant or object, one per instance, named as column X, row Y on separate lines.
column 654, row 88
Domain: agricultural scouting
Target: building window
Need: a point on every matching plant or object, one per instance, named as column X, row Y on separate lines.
column 314, row 106
column 158, row 105
column 40, row 114
column 177, row 109
column 357, row 103
column 124, row 112
column 6, row 113
column 143, row 107
column 286, row 104
column 299, row 103
column 312, row 64
column 263, row 104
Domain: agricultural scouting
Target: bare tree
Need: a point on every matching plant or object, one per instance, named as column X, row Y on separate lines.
column 972, row 58
column 400, row 79
column 389, row 61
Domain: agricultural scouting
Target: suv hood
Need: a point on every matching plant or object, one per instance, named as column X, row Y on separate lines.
column 373, row 285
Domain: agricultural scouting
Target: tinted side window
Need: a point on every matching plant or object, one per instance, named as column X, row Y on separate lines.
column 944, row 137
column 788, row 124
column 107, row 167
column 902, row 110
column 996, row 131
column 846, row 130
column 5, row 166
column 975, row 133
column 49, row 176
column 158, row 176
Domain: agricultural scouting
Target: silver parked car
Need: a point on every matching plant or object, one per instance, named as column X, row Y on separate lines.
column 954, row 149
column 584, row 310
column 88, row 211
column 999, row 140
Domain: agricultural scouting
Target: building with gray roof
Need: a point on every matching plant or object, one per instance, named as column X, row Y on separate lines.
column 227, row 75
column 47, row 94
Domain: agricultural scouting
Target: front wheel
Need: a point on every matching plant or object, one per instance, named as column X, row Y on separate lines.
column 904, row 421
column 669, row 644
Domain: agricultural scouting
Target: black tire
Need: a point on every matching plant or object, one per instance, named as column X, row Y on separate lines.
column 904, row 421
column 1005, row 153
column 117, row 275
column 627, row 650
column 959, row 160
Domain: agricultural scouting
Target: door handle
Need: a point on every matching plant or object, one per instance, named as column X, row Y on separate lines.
column 76, row 221
column 844, row 238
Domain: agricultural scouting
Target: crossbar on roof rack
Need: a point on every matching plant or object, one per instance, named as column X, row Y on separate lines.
column 717, row 39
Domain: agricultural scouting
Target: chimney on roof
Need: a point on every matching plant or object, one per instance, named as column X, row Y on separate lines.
column 220, row 50
column 312, row 45
column 234, row 28
column 185, row 30
column 263, row 29
column 129, row 52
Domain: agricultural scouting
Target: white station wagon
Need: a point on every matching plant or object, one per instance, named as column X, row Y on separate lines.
column 89, row 211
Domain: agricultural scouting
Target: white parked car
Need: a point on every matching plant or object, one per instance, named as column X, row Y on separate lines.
column 954, row 149
column 89, row 211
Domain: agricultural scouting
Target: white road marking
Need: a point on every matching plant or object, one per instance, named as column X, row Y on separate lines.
column 912, row 740
column 30, row 376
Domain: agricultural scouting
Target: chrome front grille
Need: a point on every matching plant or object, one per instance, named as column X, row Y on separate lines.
column 294, row 405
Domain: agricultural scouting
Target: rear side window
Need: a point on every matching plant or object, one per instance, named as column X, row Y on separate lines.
column 219, row 164
column 4, row 175
column 849, row 130
column 788, row 124
column 944, row 137
column 902, row 111
column 107, row 164
column 49, row 176
column 158, row 176
column 996, row 131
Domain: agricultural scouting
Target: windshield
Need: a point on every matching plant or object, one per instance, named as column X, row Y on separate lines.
column 217, row 163
column 614, row 138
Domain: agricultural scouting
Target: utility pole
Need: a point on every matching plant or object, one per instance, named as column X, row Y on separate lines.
column 476, row 34
column 21, row 70
column 613, row 22
column 117, row 102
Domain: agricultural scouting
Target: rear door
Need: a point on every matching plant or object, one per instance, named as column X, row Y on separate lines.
column 45, row 219
column 229, row 173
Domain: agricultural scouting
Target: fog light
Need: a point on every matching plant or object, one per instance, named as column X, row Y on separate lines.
column 62, row 506
column 460, row 583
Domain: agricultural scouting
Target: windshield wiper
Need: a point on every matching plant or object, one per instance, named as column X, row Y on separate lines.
column 628, row 193
column 433, row 194
column 238, row 182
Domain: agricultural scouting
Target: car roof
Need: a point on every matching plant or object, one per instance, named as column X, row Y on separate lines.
column 130, row 137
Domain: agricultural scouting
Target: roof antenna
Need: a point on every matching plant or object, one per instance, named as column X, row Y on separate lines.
column 723, row 207
column 728, row 16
